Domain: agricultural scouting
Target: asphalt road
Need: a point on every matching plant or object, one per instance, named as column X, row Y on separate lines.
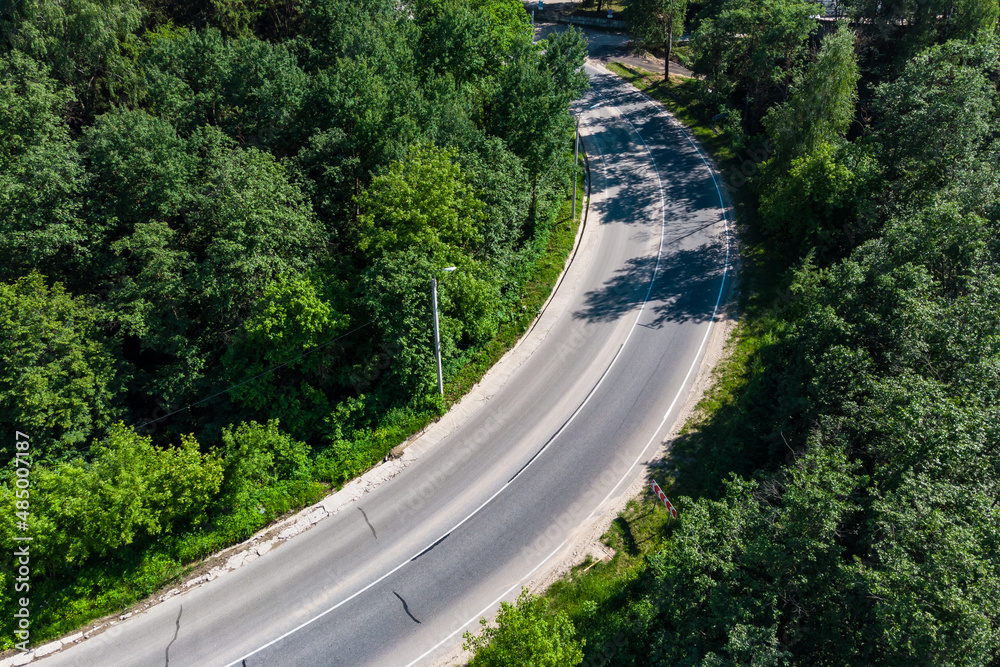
column 396, row 578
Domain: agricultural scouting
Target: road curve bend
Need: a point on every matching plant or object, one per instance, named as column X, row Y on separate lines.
column 394, row 579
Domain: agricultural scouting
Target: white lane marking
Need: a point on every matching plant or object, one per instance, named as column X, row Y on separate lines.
column 694, row 362
column 487, row 607
column 563, row 428
column 715, row 310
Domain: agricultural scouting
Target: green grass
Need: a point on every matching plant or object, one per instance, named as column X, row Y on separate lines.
column 639, row 529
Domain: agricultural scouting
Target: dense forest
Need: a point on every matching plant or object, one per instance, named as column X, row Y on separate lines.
column 839, row 497
column 219, row 221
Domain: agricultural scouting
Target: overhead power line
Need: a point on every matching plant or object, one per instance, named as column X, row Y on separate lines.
column 256, row 377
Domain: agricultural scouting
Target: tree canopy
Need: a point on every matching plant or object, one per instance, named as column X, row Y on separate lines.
column 221, row 215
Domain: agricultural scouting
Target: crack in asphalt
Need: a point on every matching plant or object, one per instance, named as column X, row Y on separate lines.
column 442, row 539
column 177, row 630
column 374, row 534
column 406, row 607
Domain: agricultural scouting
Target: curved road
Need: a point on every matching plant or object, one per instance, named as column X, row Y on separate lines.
column 395, row 578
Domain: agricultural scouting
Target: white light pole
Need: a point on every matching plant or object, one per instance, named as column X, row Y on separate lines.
column 437, row 329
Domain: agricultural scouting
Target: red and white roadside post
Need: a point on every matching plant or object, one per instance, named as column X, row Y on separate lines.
column 658, row 492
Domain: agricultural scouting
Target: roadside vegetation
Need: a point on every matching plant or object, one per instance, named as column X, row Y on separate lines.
column 219, row 222
column 839, row 488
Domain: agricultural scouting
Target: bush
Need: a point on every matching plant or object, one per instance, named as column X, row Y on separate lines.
column 526, row 635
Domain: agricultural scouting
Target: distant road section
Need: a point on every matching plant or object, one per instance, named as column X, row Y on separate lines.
column 395, row 579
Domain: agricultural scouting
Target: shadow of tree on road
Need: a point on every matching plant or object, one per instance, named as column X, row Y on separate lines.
column 684, row 290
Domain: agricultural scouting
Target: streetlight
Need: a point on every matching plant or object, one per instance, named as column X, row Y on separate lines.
column 437, row 330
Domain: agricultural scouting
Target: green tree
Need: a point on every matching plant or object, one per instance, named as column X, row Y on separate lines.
column 529, row 109
column 811, row 183
column 263, row 93
column 254, row 225
column 141, row 170
column 182, row 75
column 128, row 492
column 256, row 457
column 361, row 122
column 935, row 120
column 153, row 301
column 752, row 47
column 501, row 183
column 815, row 202
column 422, row 202
column 59, row 378
column 894, row 32
column 41, row 175
column 453, row 38
column 508, row 27
column 820, row 104
column 656, row 23
column 85, row 43
column 395, row 290
column 290, row 320
column 526, row 635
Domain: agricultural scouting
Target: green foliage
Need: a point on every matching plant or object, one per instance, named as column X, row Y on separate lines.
column 529, row 107
column 261, row 227
column 821, row 102
column 813, row 178
column 655, row 23
column 526, row 636
column 41, row 177
column 420, row 202
column 771, row 43
column 128, row 491
column 453, row 39
column 937, row 117
column 84, row 42
column 59, row 379
column 500, row 182
column 811, row 204
column 141, row 171
column 255, row 457
column 290, row 320
column 508, row 26
column 894, row 32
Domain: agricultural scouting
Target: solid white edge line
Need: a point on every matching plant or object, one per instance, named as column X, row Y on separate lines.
column 715, row 310
column 489, row 606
